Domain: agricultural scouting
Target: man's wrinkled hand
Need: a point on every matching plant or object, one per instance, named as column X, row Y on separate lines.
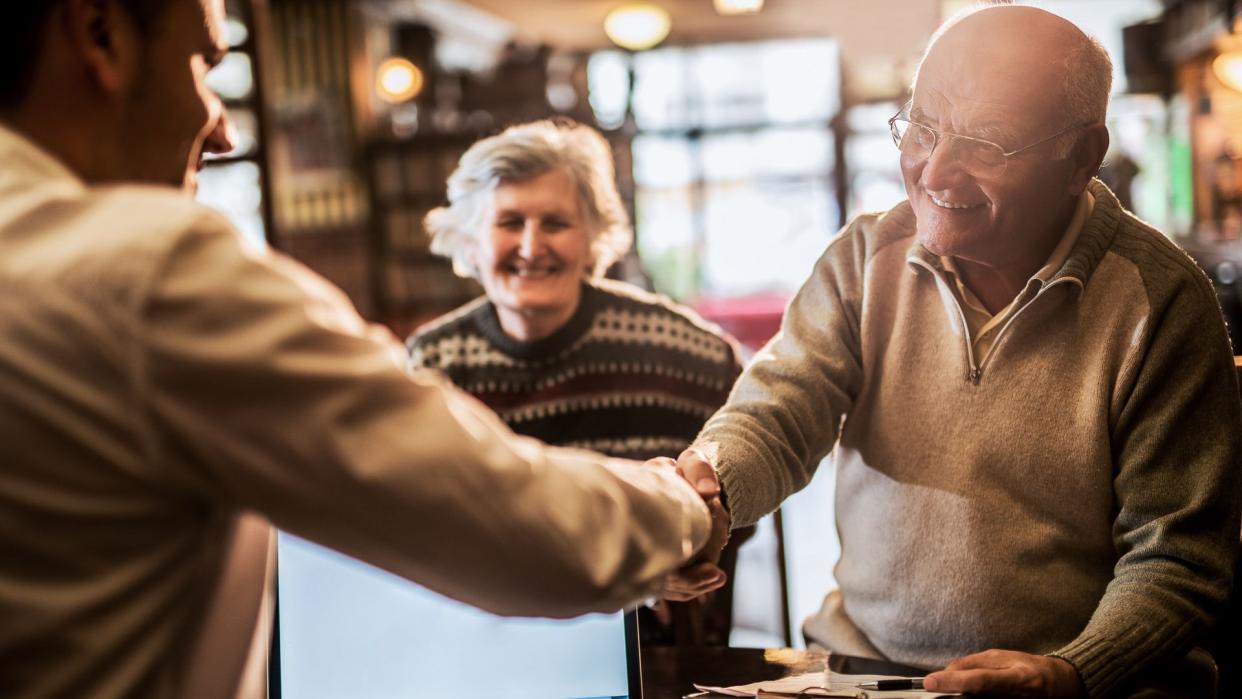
column 696, row 467
column 701, row 575
column 692, row 581
column 1008, row 673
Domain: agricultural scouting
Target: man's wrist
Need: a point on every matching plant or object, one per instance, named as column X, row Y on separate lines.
column 1074, row 686
column 709, row 453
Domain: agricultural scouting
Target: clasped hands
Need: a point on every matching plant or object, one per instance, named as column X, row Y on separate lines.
column 701, row 574
column 1003, row 673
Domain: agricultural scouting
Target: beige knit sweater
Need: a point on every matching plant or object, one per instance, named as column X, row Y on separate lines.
column 1073, row 492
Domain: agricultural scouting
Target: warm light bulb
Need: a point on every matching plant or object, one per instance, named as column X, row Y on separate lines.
column 737, row 7
column 398, row 80
column 637, row 27
column 1228, row 69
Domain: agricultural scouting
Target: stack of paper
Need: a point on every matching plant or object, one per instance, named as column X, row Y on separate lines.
column 821, row 684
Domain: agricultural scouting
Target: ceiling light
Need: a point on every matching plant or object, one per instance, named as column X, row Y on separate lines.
column 637, row 27
column 398, row 80
column 738, row 7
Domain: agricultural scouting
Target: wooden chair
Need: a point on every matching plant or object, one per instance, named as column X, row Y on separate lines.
column 1225, row 641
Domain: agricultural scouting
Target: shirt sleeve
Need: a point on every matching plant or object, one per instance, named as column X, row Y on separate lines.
column 785, row 410
column 262, row 389
column 1176, row 447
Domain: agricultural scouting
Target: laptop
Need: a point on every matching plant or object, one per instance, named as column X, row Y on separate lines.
column 346, row 629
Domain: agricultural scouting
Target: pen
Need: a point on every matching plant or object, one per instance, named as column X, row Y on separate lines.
column 886, row 685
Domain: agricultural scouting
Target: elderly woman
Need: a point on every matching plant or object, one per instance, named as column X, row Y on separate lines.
column 558, row 352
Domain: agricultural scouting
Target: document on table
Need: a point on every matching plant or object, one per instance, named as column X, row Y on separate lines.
column 821, row 684
column 810, row 684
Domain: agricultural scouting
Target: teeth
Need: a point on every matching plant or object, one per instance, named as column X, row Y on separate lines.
column 950, row 205
column 532, row 273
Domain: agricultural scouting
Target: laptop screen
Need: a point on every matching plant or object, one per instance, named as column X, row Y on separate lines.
column 347, row 629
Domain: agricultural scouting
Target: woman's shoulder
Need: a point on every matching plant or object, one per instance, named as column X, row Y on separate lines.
column 456, row 321
column 439, row 343
column 624, row 306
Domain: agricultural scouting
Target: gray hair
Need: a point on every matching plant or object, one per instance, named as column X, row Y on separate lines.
column 520, row 153
column 1088, row 76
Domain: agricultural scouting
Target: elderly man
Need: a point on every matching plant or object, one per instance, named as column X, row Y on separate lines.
column 1030, row 392
column 159, row 377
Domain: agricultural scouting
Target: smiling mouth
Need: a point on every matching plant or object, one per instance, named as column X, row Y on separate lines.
column 953, row 205
column 533, row 272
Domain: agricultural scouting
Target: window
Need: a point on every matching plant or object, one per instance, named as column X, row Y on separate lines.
column 233, row 182
column 733, row 161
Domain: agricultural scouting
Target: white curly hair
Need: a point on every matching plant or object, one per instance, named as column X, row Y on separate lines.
column 520, row 153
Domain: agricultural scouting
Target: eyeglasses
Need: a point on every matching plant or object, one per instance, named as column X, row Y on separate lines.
column 815, row 692
column 976, row 155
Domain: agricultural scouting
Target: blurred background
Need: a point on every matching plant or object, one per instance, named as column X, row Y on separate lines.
column 745, row 133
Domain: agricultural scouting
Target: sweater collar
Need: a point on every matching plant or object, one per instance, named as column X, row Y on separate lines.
column 1096, row 237
column 1093, row 241
column 488, row 323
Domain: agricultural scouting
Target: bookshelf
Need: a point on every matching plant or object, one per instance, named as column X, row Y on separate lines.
column 406, row 179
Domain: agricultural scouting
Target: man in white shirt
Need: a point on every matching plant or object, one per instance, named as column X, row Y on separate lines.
column 158, row 377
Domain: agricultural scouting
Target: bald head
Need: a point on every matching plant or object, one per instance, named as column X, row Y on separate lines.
column 1012, row 100
column 999, row 21
column 1034, row 50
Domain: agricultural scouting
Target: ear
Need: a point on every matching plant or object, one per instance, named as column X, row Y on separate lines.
column 592, row 259
column 1087, row 156
column 469, row 253
column 104, row 37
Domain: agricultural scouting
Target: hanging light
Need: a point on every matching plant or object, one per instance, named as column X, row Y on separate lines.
column 737, row 7
column 398, row 80
column 1228, row 69
column 637, row 27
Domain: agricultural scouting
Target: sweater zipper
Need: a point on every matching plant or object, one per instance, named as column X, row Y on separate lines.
column 975, row 374
column 1001, row 333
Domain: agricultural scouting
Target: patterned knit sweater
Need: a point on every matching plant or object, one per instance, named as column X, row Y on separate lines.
column 631, row 374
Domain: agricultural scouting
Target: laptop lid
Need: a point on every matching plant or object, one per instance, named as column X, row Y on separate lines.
column 347, row 629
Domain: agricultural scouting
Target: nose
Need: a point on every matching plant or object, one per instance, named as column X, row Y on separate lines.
column 943, row 168
column 528, row 245
column 223, row 135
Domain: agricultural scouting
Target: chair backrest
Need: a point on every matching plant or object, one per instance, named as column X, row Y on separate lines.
column 1225, row 641
column 229, row 660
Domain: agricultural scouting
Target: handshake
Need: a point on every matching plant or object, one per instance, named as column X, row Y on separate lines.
column 701, row 574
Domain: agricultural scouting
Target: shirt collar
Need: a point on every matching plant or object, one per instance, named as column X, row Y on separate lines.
column 1086, row 203
column 25, row 161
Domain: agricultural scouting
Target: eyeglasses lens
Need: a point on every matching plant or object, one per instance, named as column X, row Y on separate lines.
column 918, row 142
